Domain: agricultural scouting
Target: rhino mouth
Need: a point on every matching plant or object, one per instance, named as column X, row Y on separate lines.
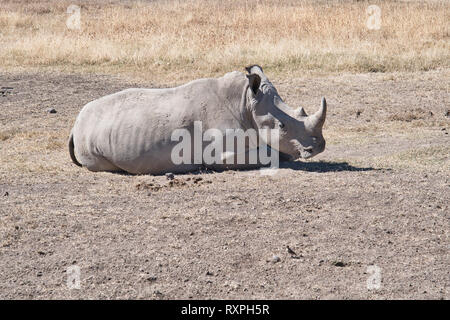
column 306, row 152
column 301, row 154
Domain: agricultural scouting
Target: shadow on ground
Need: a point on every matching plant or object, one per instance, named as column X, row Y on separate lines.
column 323, row 166
column 319, row 166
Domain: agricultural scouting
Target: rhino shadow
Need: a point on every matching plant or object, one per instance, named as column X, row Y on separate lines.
column 323, row 166
column 319, row 166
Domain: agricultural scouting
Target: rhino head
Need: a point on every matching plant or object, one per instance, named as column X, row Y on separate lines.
column 300, row 135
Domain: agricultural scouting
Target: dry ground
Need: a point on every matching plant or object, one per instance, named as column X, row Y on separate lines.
column 378, row 195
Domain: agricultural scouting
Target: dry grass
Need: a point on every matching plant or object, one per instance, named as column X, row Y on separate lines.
column 30, row 151
column 171, row 41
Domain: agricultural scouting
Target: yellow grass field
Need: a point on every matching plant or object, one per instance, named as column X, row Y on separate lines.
column 177, row 40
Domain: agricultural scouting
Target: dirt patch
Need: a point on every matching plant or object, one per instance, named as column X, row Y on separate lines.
column 172, row 183
column 377, row 197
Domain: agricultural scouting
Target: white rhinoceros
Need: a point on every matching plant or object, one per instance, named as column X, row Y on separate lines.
column 132, row 130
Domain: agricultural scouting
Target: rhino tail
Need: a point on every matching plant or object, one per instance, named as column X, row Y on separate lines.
column 72, row 151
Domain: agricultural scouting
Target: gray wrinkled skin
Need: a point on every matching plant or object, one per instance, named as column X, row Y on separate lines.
column 131, row 130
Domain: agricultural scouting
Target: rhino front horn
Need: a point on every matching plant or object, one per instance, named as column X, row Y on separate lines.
column 318, row 118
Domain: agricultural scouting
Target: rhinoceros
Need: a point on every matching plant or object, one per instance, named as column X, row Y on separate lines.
column 132, row 130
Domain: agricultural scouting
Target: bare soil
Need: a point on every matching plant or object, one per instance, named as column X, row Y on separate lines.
column 377, row 196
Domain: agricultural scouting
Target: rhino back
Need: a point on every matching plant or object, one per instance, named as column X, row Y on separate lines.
column 133, row 128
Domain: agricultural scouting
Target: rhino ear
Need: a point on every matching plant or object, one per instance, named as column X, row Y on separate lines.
column 254, row 81
column 249, row 68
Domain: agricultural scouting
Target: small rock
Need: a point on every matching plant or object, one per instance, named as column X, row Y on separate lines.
column 209, row 273
column 339, row 264
column 447, row 113
column 6, row 194
column 5, row 90
column 233, row 284
column 51, row 110
column 358, row 113
column 170, row 176
column 275, row 259
column 152, row 279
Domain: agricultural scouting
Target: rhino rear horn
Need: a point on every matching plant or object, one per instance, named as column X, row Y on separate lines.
column 300, row 112
column 318, row 118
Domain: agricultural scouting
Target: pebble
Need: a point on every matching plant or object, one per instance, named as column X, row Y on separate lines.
column 51, row 110
column 233, row 284
column 275, row 259
column 170, row 176
column 339, row 264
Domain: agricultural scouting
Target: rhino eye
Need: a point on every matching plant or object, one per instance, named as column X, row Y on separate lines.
column 281, row 124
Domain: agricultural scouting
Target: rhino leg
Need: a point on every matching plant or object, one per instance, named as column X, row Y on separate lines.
column 104, row 165
column 230, row 162
column 98, row 163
